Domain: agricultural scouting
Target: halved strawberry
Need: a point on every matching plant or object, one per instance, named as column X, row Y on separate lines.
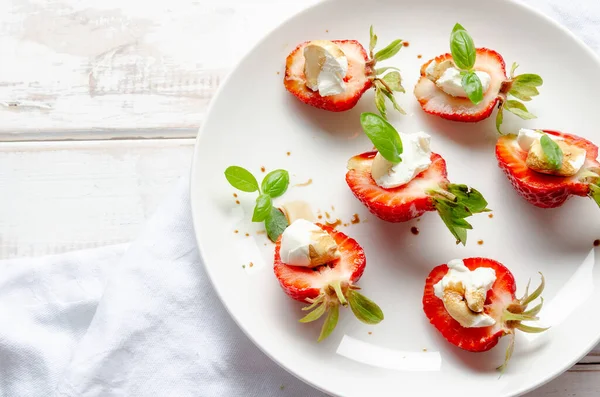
column 435, row 101
column 464, row 62
column 328, row 286
column 501, row 304
column 361, row 76
column 358, row 79
column 549, row 191
column 399, row 204
column 428, row 191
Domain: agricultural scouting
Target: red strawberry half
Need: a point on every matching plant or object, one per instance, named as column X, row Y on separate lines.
column 435, row 101
column 549, row 191
column 361, row 76
column 358, row 79
column 328, row 286
column 500, row 304
column 428, row 191
column 399, row 204
column 463, row 63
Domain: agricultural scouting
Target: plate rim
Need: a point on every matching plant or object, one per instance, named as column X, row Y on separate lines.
column 193, row 181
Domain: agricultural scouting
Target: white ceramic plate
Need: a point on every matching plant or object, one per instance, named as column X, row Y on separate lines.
column 254, row 122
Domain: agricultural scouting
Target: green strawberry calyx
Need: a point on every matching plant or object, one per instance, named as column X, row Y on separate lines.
column 456, row 202
column 516, row 313
column 523, row 87
column 386, row 80
column 329, row 301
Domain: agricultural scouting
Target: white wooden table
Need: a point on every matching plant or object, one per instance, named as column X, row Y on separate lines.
column 99, row 105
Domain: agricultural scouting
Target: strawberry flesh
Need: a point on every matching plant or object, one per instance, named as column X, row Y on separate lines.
column 542, row 190
column 435, row 101
column 302, row 283
column 358, row 79
column 499, row 297
column 398, row 204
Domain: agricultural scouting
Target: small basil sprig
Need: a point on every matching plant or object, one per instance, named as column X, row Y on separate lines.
column 383, row 135
column 385, row 83
column 454, row 204
column 552, row 151
column 523, row 87
column 274, row 184
column 464, row 56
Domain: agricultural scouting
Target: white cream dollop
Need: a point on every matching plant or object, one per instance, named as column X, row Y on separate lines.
column 416, row 158
column 450, row 81
column 305, row 244
column 325, row 66
column 458, row 273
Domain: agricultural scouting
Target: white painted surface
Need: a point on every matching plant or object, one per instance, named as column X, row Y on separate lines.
column 94, row 69
column 64, row 196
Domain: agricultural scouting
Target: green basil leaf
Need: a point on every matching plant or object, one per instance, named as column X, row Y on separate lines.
column 394, row 81
column 529, row 79
column 262, row 210
column 457, row 27
column 389, row 51
column 276, row 183
column 499, row 119
column 372, row 40
column 472, row 86
column 384, row 137
column 276, row 223
column 330, row 322
column 380, row 102
column 462, row 48
column 552, row 151
column 241, row 179
column 519, row 109
column 364, row 308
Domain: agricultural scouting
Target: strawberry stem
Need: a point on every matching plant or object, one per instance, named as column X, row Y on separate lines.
column 509, row 352
column 443, row 193
column 535, row 310
column 509, row 316
column 315, row 314
column 337, row 287
column 387, row 87
column 527, row 299
column 314, row 302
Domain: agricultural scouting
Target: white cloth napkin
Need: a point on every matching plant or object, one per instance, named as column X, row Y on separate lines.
column 143, row 320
